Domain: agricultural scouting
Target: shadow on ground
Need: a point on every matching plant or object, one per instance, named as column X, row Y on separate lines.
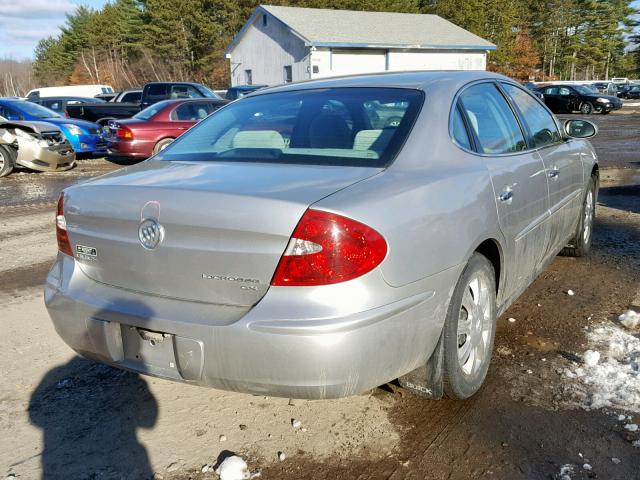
column 89, row 414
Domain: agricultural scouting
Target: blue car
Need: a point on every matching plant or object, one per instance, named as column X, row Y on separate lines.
column 85, row 137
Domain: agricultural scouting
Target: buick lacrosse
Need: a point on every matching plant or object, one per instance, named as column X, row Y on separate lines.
column 316, row 240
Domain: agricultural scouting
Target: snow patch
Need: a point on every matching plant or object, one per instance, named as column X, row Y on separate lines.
column 233, row 468
column 630, row 319
column 610, row 376
column 591, row 358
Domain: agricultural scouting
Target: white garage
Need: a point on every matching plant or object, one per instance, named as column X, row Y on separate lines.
column 288, row 44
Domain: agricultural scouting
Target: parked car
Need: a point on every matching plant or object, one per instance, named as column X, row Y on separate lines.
column 284, row 246
column 85, row 137
column 69, row 91
column 239, row 91
column 633, row 91
column 151, row 93
column 571, row 98
column 155, row 127
column 59, row 104
column 36, row 145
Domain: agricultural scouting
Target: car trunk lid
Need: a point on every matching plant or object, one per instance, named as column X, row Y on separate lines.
column 225, row 225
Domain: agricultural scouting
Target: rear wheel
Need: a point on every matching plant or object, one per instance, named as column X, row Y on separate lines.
column 7, row 160
column 586, row 108
column 162, row 144
column 469, row 329
column 581, row 242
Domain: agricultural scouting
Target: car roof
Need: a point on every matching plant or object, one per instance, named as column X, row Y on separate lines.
column 418, row 80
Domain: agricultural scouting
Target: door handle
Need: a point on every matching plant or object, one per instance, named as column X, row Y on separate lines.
column 553, row 173
column 506, row 196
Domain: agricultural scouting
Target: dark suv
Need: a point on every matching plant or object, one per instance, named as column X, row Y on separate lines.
column 571, row 98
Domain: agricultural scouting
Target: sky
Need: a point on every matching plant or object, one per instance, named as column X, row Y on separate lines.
column 24, row 22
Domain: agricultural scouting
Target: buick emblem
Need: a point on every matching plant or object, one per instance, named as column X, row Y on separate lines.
column 150, row 233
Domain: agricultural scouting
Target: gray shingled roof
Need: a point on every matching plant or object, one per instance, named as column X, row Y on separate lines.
column 324, row 27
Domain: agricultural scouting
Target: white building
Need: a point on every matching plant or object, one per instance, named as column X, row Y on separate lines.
column 288, row 44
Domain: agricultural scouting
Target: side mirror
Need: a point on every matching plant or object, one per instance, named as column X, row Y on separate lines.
column 580, row 129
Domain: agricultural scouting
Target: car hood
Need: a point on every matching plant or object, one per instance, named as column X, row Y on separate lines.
column 72, row 121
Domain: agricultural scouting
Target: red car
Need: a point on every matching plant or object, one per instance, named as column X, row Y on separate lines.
column 155, row 127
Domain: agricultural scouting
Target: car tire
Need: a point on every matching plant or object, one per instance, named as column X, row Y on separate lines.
column 7, row 160
column 162, row 144
column 580, row 245
column 586, row 108
column 469, row 329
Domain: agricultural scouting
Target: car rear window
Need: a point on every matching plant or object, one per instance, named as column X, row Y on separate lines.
column 335, row 126
column 152, row 110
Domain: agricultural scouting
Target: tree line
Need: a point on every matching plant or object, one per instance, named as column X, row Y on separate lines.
column 129, row 42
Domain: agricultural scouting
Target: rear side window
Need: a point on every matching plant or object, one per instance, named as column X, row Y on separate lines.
column 157, row 92
column 192, row 111
column 492, row 120
column 133, row 97
column 459, row 130
column 539, row 121
column 334, row 126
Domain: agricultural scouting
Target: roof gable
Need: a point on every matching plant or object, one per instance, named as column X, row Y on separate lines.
column 349, row 28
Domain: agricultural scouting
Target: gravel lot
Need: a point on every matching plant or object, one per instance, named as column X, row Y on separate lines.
column 65, row 417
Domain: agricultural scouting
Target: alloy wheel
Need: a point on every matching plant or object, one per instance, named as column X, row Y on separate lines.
column 474, row 326
column 588, row 217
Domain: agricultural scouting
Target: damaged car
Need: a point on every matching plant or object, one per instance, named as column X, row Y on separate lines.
column 36, row 145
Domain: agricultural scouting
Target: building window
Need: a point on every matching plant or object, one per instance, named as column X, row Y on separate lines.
column 264, row 20
column 248, row 77
column 288, row 78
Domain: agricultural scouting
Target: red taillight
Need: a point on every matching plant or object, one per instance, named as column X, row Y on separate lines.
column 61, row 228
column 124, row 132
column 326, row 248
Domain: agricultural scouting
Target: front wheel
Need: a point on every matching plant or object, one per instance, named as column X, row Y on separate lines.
column 581, row 242
column 469, row 329
column 586, row 108
column 7, row 160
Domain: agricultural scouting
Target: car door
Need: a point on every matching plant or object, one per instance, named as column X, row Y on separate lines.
column 552, row 99
column 518, row 178
column 562, row 164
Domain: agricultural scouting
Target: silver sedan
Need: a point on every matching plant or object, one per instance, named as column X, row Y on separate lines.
column 316, row 240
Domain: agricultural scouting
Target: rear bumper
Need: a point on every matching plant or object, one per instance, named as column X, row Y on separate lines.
column 264, row 352
column 133, row 149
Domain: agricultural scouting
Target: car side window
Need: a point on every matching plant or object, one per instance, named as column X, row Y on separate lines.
column 542, row 126
column 191, row 111
column 459, row 130
column 492, row 120
column 564, row 91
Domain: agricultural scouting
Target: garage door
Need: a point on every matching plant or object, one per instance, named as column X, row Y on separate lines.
column 345, row 62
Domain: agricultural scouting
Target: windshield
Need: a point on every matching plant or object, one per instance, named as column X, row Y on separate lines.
column 207, row 93
column 337, row 126
column 151, row 110
column 584, row 90
column 35, row 110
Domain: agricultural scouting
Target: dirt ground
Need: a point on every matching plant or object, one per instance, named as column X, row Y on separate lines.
column 65, row 417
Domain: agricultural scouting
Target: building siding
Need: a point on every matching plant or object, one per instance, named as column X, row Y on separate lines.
column 403, row 60
column 265, row 50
